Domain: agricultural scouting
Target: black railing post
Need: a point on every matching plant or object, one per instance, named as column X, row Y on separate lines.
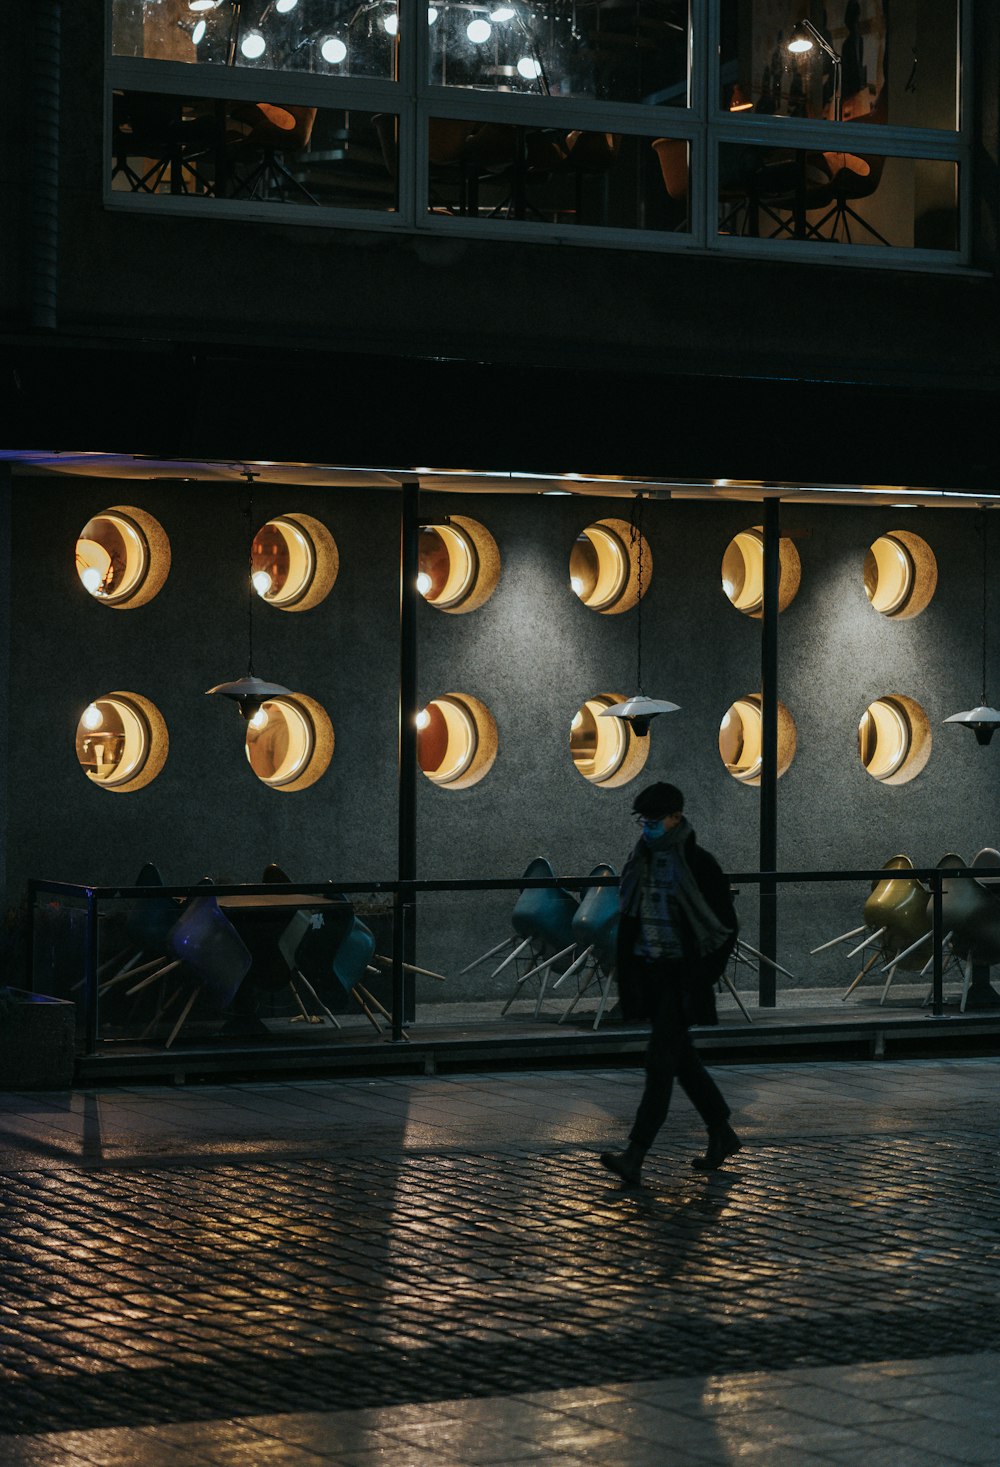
column 767, row 917
column 403, row 903
column 90, row 964
column 937, row 938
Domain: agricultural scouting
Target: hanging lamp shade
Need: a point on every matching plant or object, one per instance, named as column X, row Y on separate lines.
column 983, row 721
column 640, row 711
column 249, row 693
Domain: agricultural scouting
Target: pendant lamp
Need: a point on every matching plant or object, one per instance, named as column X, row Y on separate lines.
column 248, row 693
column 983, row 721
column 639, row 710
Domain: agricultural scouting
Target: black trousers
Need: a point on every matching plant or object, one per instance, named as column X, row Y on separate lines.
column 671, row 1055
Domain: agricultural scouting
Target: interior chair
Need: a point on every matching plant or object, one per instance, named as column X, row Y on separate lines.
column 214, row 960
column 583, row 156
column 156, row 143
column 543, row 921
column 595, row 932
column 674, row 160
column 271, row 133
column 853, row 177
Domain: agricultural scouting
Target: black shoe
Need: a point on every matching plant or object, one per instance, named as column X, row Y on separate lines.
column 722, row 1142
column 627, row 1165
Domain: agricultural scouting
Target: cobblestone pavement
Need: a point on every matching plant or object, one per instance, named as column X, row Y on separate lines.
column 176, row 1258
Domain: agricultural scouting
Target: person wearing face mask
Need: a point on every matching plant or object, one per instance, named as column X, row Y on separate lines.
column 676, row 931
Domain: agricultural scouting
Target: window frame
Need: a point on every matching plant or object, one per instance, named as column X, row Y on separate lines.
column 702, row 124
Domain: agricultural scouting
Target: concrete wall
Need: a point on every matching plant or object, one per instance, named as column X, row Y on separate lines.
column 532, row 653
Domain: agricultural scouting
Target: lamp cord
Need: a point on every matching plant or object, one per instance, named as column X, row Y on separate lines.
column 635, row 540
column 984, row 523
column 248, row 517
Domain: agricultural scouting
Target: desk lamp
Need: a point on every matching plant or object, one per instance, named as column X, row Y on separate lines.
column 804, row 37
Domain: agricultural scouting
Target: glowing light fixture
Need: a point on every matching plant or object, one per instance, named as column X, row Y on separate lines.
column 253, row 45
column 91, row 578
column 196, row 6
column 529, row 68
column 424, row 583
column 478, row 31
column 391, row 24
column 333, row 50
column 423, row 719
column 92, row 717
column 501, row 15
column 284, row 6
column 261, row 582
column 432, row 14
column 984, row 720
column 803, row 38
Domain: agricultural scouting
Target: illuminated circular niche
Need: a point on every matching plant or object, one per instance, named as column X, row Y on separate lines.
column 741, row 739
column 122, row 557
column 121, row 742
column 458, row 564
column 900, row 574
column 456, row 740
column 743, row 571
column 294, row 562
column 605, row 751
column 289, row 742
column 894, row 739
column 604, row 566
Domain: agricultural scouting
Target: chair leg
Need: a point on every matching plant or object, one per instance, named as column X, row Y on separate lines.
column 366, row 1010
column 161, row 972
column 181, row 1021
column 314, row 996
column 869, row 964
column 732, row 989
column 605, row 993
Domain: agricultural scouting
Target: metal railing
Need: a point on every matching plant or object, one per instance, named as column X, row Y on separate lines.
column 403, row 903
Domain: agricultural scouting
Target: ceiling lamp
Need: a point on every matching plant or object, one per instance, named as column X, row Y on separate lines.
column 249, row 692
column 984, row 721
column 639, row 710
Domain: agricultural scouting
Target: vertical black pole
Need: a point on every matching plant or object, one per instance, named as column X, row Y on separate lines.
column 767, row 913
column 409, row 541
column 90, row 965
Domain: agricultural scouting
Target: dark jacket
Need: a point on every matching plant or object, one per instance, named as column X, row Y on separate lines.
column 638, row 999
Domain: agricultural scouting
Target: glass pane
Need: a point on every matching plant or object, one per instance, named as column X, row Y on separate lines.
column 547, row 176
column 321, row 36
column 891, row 63
column 636, row 52
column 853, row 198
column 265, row 152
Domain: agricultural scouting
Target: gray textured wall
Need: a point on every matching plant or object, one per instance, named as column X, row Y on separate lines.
column 532, row 653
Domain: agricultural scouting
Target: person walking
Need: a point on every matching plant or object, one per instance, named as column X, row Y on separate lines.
column 676, row 931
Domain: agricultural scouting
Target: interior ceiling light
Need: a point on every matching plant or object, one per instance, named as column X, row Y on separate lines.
column 478, row 31
column 249, row 692
column 639, row 710
column 984, row 721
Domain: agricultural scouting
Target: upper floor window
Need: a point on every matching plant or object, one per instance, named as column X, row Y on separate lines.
column 727, row 125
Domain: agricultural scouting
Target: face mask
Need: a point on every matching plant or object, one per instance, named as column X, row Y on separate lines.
column 652, row 829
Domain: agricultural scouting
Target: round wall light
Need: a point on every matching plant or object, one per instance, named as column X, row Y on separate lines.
column 122, row 557
column 743, row 571
column 604, row 566
column 458, row 564
column 121, row 742
column 741, row 739
column 606, row 751
column 456, row 740
column 289, row 742
column 294, row 562
column 900, row 574
column 894, row 739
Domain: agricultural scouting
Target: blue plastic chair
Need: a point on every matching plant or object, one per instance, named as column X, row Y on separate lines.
column 543, row 919
column 205, row 942
column 595, row 932
column 333, row 941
